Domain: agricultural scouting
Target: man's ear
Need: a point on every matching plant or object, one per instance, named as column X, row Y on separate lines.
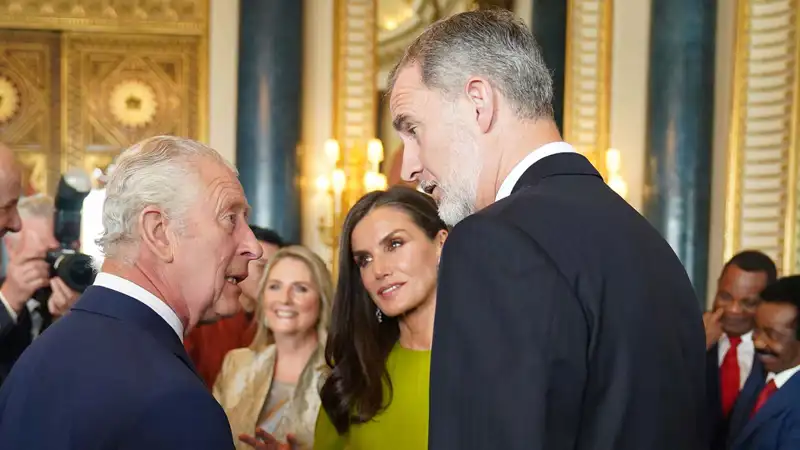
column 483, row 99
column 155, row 234
column 441, row 236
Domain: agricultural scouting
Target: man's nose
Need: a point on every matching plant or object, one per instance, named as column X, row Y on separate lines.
column 412, row 166
column 734, row 308
column 14, row 221
column 250, row 247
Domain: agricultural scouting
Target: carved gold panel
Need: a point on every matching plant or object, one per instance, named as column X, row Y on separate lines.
column 355, row 103
column 132, row 16
column 588, row 78
column 120, row 89
column 762, row 191
column 29, row 104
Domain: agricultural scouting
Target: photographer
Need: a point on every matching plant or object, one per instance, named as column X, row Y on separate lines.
column 30, row 297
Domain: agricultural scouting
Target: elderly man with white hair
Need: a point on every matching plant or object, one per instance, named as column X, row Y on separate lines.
column 113, row 374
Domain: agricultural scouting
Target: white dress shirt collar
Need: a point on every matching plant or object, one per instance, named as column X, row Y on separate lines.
column 782, row 377
column 546, row 150
column 133, row 290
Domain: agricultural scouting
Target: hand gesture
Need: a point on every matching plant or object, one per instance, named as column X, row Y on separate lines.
column 713, row 325
column 265, row 441
column 24, row 276
column 62, row 298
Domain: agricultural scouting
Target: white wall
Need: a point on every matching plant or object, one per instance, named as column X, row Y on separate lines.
column 317, row 115
column 723, row 100
column 629, row 75
column 223, row 48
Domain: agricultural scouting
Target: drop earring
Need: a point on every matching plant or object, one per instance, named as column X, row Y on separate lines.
column 378, row 315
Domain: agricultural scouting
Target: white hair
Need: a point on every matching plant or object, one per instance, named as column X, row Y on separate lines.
column 157, row 172
column 36, row 205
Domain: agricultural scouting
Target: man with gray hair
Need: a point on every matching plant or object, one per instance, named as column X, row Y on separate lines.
column 563, row 319
column 113, row 374
column 30, row 296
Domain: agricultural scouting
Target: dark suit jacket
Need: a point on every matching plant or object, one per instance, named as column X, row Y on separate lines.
column 776, row 426
column 565, row 321
column 15, row 337
column 112, row 374
column 724, row 430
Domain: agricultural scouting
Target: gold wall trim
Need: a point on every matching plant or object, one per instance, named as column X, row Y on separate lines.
column 587, row 80
column 355, row 89
column 129, row 16
column 761, row 203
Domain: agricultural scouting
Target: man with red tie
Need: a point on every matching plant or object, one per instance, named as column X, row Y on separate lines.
column 731, row 360
column 773, row 406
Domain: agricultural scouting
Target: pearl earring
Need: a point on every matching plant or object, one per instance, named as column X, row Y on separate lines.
column 378, row 315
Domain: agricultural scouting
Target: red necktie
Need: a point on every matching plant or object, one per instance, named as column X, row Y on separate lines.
column 729, row 376
column 768, row 390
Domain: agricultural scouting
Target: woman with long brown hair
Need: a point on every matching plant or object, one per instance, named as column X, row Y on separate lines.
column 382, row 324
column 379, row 341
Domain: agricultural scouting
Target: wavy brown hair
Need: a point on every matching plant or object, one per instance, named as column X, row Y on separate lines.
column 358, row 345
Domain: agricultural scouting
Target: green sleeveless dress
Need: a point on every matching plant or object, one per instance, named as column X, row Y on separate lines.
column 403, row 425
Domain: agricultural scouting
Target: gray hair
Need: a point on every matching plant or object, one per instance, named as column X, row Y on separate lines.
column 494, row 44
column 159, row 171
column 36, row 205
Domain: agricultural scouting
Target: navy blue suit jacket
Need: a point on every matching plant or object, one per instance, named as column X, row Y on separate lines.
column 724, row 430
column 111, row 374
column 776, row 426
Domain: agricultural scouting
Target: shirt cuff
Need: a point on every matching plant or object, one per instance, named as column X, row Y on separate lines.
column 10, row 310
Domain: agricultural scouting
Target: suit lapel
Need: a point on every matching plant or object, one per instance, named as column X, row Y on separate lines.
column 558, row 164
column 110, row 303
column 779, row 402
column 747, row 399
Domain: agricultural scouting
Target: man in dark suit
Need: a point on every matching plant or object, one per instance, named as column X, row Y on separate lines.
column 772, row 419
column 29, row 296
column 563, row 319
column 113, row 373
column 730, row 359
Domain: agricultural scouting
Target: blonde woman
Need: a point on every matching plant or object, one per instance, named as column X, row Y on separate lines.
column 273, row 384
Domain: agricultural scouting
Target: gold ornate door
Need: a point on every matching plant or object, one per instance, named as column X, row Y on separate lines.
column 87, row 79
column 29, row 104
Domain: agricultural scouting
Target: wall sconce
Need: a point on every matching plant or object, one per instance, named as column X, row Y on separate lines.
column 374, row 180
column 615, row 180
column 342, row 188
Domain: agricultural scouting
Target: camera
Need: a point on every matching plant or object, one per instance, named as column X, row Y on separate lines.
column 73, row 267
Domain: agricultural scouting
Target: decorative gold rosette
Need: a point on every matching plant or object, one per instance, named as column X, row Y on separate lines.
column 133, row 103
column 9, row 99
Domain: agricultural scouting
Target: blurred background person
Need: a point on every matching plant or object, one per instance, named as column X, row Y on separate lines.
column 28, row 305
column 731, row 357
column 208, row 344
column 770, row 412
column 274, row 384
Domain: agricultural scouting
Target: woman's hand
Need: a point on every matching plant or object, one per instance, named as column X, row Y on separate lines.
column 265, row 441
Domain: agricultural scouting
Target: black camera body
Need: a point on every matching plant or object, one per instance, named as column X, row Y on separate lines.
column 73, row 267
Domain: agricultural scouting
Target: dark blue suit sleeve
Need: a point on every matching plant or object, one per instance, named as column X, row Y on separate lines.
column 188, row 419
column 490, row 365
column 790, row 433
